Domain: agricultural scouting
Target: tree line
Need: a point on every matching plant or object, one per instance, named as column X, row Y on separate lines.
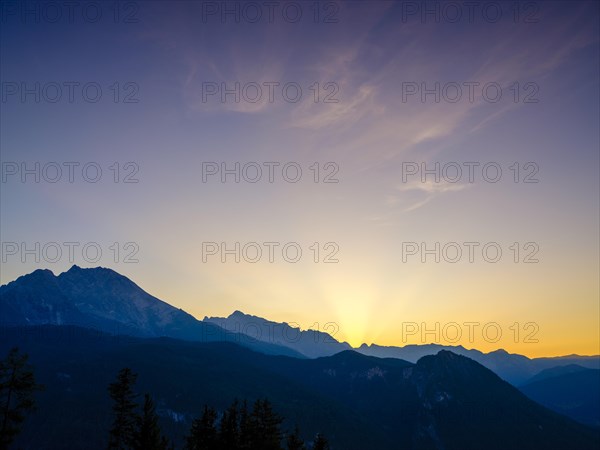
column 17, row 388
column 136, row 426
column 237, row 428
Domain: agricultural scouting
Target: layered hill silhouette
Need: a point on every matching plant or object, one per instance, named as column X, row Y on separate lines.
column 571, row 390
column 103, row 299
column 444, row 401
column 514, row 368
column 82, row 326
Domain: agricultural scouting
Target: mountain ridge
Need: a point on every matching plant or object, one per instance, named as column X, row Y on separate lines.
column 101, row 298
column 311, row 343
column 79, row 296
column 444, row 401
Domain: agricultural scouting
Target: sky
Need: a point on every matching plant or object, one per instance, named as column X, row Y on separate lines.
column 390, row 172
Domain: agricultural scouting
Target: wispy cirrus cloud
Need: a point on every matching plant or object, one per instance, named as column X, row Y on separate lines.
column 427, row 191
column 371, row 128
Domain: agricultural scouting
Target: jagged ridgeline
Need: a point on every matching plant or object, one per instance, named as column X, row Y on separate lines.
column 66, row 324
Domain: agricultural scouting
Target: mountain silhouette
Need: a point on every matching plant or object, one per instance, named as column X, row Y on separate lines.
column 571, row 390
column 311, row 343
column 514, row 368
column 84, row 325
column 104, row 300
column 444, row 401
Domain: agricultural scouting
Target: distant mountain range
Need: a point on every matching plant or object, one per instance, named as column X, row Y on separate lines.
column 107, row 301
column 514, row 368
column 310, row 343
column 419, row 396
column 570, row 390
column 443, row 402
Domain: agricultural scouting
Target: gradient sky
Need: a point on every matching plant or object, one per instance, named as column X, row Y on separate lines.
column 372, row 49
